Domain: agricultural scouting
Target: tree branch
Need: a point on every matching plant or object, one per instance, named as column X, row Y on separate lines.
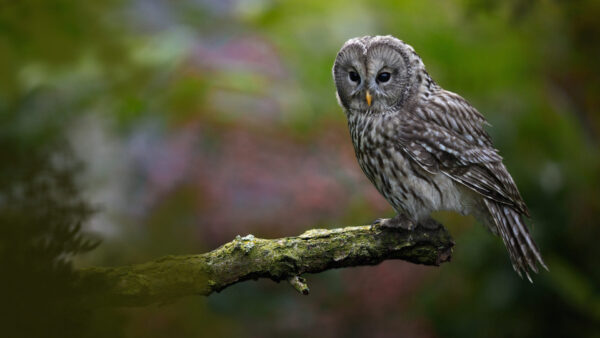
column 317, row 250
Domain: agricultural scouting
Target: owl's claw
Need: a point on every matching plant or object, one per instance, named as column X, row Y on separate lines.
column 399, row 221
column 379, row 223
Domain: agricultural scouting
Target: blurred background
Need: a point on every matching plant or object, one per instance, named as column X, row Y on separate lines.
column 130, row 130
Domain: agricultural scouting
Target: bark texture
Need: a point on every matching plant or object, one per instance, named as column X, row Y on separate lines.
column 166, row 279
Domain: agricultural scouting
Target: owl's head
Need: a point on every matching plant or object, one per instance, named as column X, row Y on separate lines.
column 376, row 73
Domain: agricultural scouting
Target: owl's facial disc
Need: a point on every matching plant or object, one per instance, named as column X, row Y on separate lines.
column 386, row 78
column 350, row 76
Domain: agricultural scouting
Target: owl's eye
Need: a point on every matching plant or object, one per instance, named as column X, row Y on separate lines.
column 354, row 77
column 384, row 77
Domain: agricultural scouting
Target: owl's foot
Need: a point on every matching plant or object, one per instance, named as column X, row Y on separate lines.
column 399, row 221
column 378, row 222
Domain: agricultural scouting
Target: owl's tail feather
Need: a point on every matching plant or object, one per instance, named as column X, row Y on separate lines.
column 524, row 254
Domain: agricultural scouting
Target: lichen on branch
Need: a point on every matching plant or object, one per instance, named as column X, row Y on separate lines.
column 166, row 279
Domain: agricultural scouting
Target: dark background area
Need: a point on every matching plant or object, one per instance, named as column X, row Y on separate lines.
column 130, row 130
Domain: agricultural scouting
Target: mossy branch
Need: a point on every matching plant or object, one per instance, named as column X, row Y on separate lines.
column 171, row 277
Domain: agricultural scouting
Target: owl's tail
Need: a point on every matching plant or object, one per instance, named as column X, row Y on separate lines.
column 523, row 252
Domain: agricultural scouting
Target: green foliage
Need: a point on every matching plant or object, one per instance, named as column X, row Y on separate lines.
column 41, row 217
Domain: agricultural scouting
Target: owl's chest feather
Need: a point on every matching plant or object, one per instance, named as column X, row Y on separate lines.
column 398, row 178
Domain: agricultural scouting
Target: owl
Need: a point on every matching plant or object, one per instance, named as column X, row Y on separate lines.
column 425, row 148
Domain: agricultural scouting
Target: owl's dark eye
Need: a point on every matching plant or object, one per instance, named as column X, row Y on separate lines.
column 384, row 77
column 354, row 77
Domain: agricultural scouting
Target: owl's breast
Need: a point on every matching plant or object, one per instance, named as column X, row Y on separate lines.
column 370, row 131
column 407, row 187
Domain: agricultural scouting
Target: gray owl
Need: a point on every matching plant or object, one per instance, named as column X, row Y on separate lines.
column 425, row 148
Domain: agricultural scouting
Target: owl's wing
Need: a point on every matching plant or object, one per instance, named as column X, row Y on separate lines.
column 446, row 135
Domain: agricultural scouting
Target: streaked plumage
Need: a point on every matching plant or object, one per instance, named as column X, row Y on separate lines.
column 425, row 148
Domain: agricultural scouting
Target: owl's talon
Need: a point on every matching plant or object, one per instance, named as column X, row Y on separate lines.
column 401, row 221
column 380, row 222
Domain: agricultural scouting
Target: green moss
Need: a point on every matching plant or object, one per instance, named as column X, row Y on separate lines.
column 248, row 257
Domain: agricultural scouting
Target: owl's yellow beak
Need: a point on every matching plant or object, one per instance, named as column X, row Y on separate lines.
column 369, row 98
